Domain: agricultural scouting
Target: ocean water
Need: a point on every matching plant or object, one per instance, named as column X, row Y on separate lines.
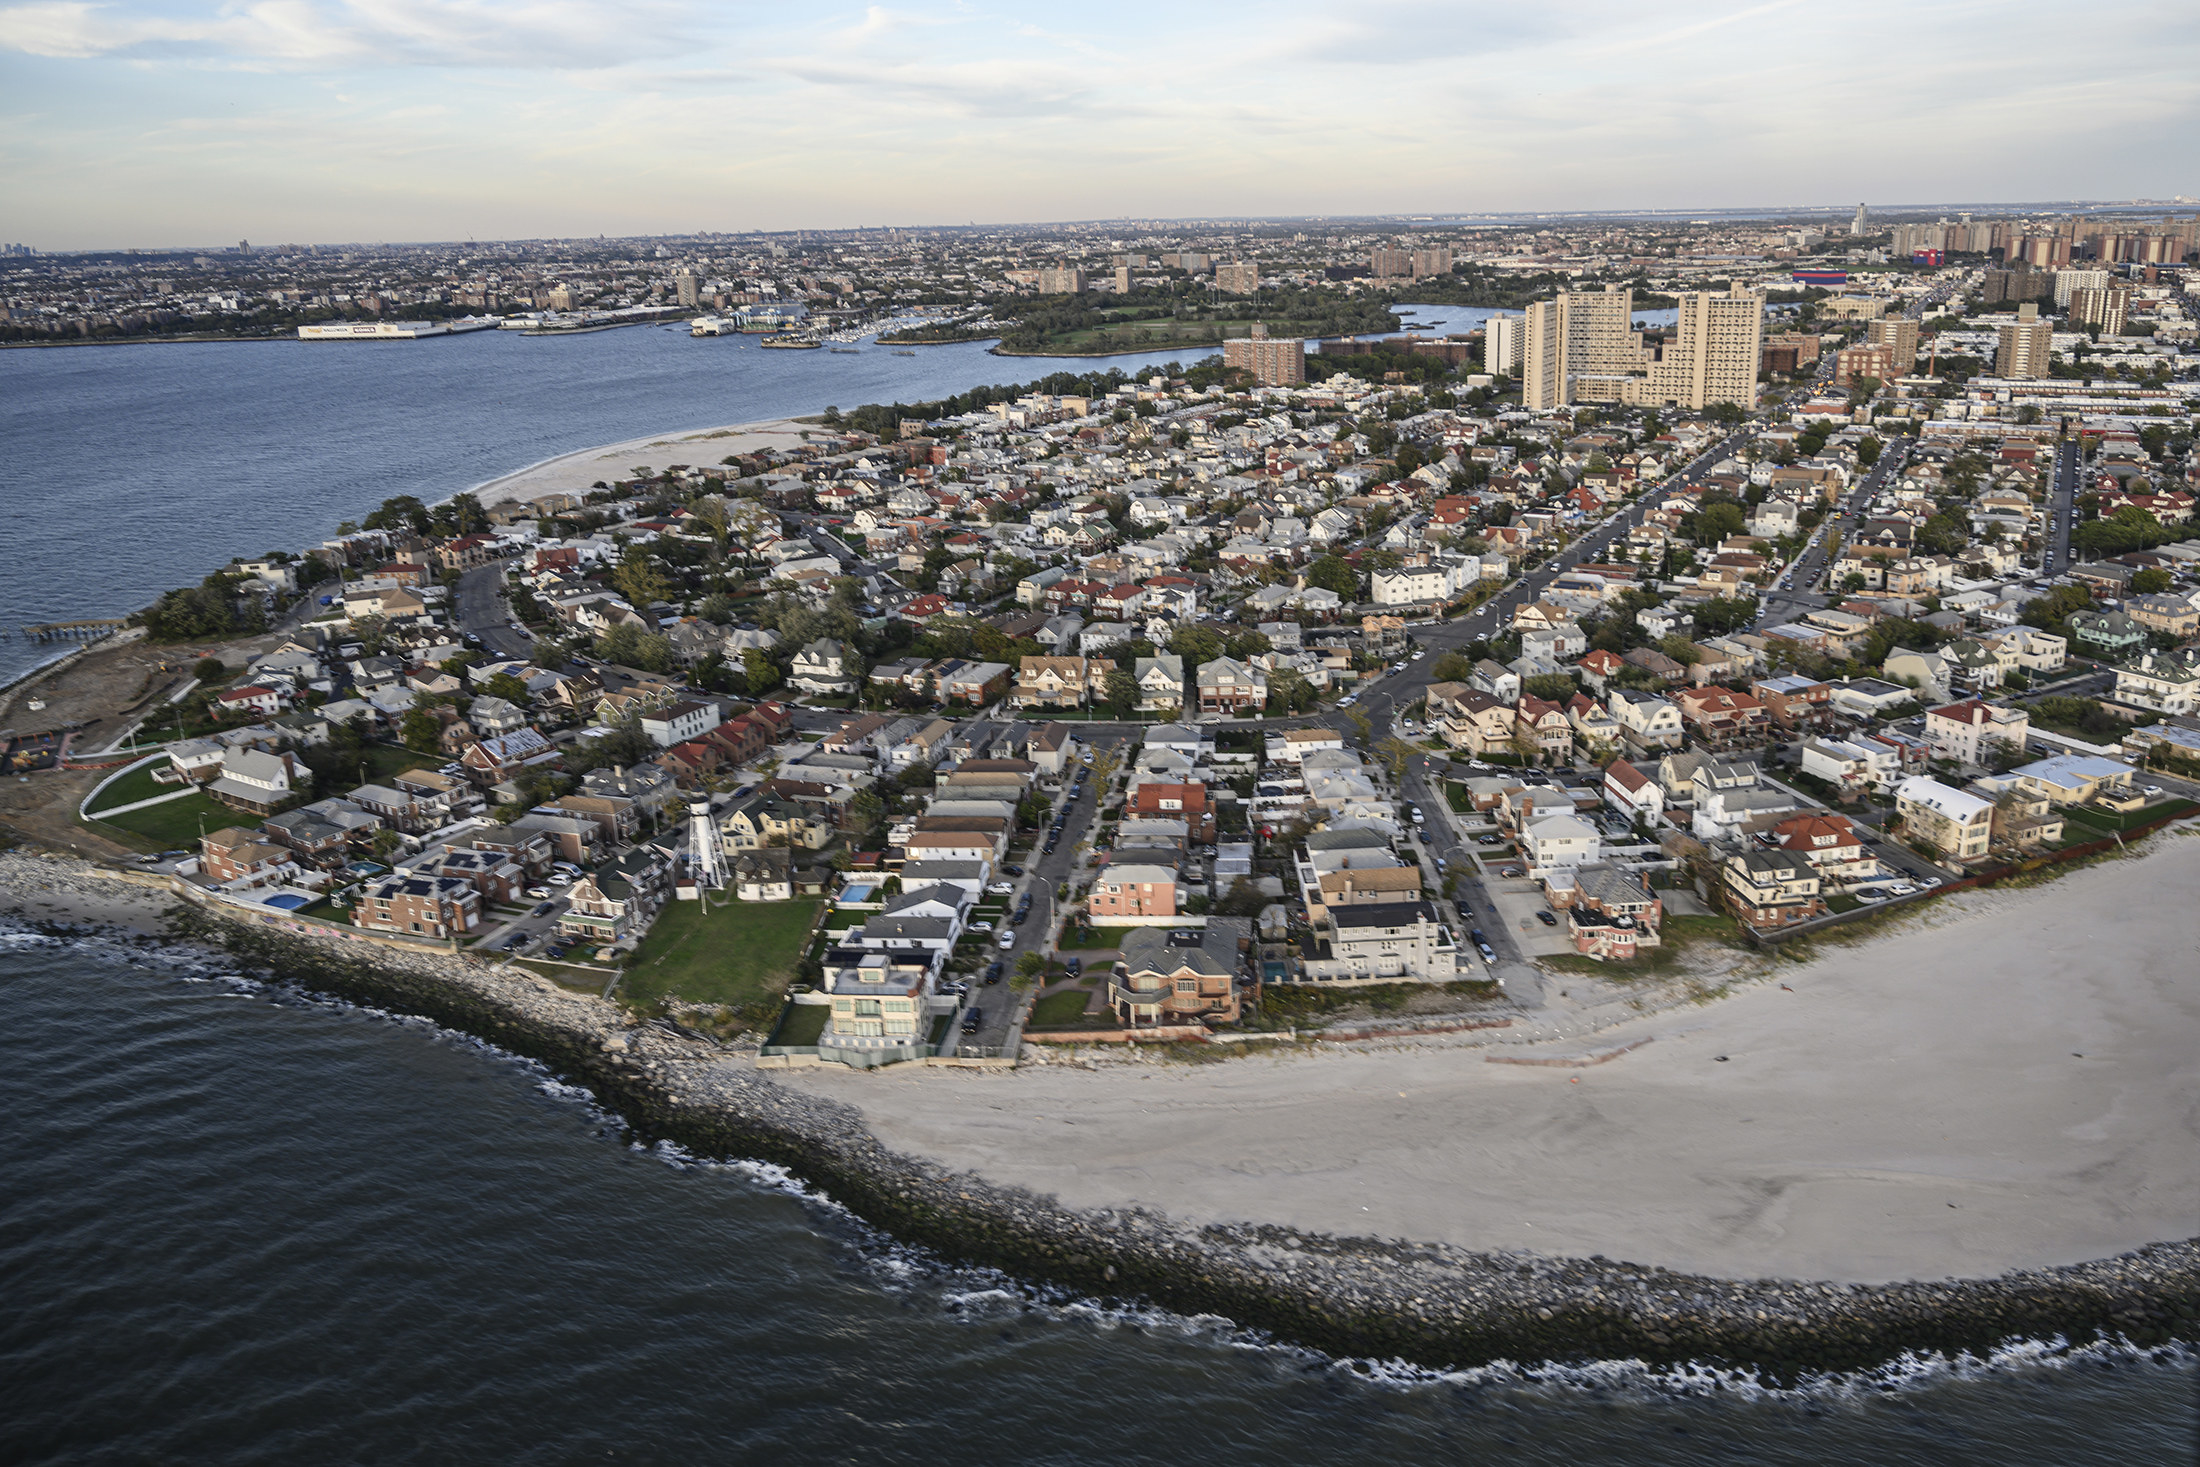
column 132, row 469
column 238, row 1227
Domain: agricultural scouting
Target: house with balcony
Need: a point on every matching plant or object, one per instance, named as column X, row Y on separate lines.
column 881, row 1010
column 1611, row 915
column 1381, row 942
column 1769, row 889
column 1953, row 822
column 2167, row 682
column 1647, row 722
column 820, row 669
column 1166, row 977
column 1971, row 734
column 1160, row 682
column 1230, row 687
column 419, row 906
column 1829, row 842
column 1060, row 682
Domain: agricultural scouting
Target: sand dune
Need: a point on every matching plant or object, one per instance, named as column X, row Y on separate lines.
column 2012, row 1081
column 574, row 473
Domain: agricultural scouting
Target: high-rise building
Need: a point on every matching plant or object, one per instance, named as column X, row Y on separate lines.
column 688, row 289
column 1431, row 262
column 1582, row 347
column 2105, row 306
column 1061, row 280
column 1501, row 338
column 1274, row 361
column 2019, row 284
column 1239, row 277
column 2068, row 282
column 1712, row 355
column 1861, row 224
column 1899, row 335
column 1390, row 264
column 1123, row 279
column 2024, row 345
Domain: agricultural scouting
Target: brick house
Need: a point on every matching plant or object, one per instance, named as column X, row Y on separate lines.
column 236, row 856
column 1772, row 888
column 1133, row 890
column 420, row 906
column 1721, row 717
column 1187, row 802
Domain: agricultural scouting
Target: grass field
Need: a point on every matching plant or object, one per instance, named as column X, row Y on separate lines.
column 801, row 1024
column 1064, row 1010
column 739, row 953
column 137, row 785
column 169, row 827
column 1097, row 937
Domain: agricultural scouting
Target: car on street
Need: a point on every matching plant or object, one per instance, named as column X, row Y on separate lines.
column 1008, row 940
column 993, row 971
column 974, row 1020
column 545, row 909
column 1903, row 888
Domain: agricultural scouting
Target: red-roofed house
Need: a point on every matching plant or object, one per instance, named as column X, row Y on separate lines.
column 1830, row 843
column 1633, row 793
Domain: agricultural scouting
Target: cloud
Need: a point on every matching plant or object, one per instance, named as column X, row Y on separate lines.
column 327, row 34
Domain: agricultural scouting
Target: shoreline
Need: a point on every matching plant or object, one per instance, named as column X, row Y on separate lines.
column 564, row 473
column 1432, row 1303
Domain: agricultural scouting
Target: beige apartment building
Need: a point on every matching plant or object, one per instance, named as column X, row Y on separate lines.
column 2105, row 306
column 1274, row 361
column 1239, row 277
column 2023, row 349
column 1899, row 335
column 1067, row 280
column 1583, row 347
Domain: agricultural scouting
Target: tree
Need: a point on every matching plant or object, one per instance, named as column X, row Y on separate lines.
column 629, row 646
column 421, row 730
column 2151, row 581
column 385, row 843
column 209, row 670
column 1451, row 667
column 1244, row 899
column 1334, row 573
column 1397, row 753
column 1868, row 451
column 762, row 672
column 865, row 811
column 639, row 580
column 509, row 688
column 1552, row 687
column 1029, row 968
column 1363, row 727
column 1122, row 692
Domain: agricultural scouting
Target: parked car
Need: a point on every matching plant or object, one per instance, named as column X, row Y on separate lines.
column 537, row 893
column 981, row 926
column 1512, row 871
column 1546, row 916
column 1000, row 887
column 1013, row 870
column 546, row 909
column 559, row 878
column 1489, row 840
column 974, row 1021
column 1008, row 940
column 1870, row 897
column 993, row 972
column 1073, row 966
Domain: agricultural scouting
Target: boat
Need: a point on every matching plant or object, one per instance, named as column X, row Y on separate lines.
column 791, row 342
column 849, row 351
column 904, row 353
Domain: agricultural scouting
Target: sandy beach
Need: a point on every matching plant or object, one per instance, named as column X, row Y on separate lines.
column 576, row 472
column 2007, row 1082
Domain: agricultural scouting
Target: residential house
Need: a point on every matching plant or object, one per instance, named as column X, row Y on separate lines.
column 771, row 820
column 1381, row 941
column 419, row 906
column 1228, row 686
column 1972, row 734
column 1953, row 822
column 1633, row 793
column 1160, row 682
column 1176, row 977
column 974, row 683
column 1647, row 722
column 619, row 901
column 240, row 859
column 254, row 780
column 820, row 669
column 1768, row 889
column 1132, row 890
column 1060, row 682
column 1829, row 842
column 1721, row 718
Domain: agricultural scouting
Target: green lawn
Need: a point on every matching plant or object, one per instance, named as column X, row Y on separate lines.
column 169, row 827
column 137, row 785
column 2110, row 821
column 801, row 1024
column 739, row 953
column 1063, row 1010
column 1097, row 937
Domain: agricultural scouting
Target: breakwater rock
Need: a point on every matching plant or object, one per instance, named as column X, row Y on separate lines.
column 1432, row 1304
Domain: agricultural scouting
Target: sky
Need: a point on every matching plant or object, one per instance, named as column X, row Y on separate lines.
column 143, row 123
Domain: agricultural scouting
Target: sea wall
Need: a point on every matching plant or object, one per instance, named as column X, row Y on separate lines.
column 1432, row 1304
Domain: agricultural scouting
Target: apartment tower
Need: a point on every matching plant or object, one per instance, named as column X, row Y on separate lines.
column 1501, row 338
column 2024, row 345
column 1581, row 347
column 1274, row 361
column 1712, row 355
column 1899, row 335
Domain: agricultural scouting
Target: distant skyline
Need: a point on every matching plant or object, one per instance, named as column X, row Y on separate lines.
column 161, row 122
